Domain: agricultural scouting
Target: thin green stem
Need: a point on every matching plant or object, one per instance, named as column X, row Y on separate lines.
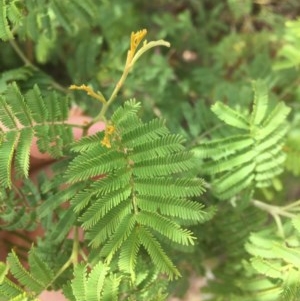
column 114, row 94
column 276, row 212
column 61, row 270
column 292, row 205
column 58, row 86
column 146, row 46
column 83, row 255
column 21, row 55
column 73, row 259
column 273, row 210
column 28, row 63
column 279, row 225
column 75, row 250
column 135, row 206
column 198, row 138
column 128, row 66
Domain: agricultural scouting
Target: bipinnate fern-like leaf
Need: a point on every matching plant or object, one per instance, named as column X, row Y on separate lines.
column 39, row 276
column 23, row 117
column 96, row 285
column 30, row 282
column 271, row 267
column 278, row 261
column 138, row 190
column 254, row 155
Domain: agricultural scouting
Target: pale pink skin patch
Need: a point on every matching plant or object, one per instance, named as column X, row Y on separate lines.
column 51, row 296
column 38, row 158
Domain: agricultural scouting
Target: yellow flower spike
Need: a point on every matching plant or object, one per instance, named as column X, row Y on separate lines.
column 89, row 92
column 106, row 142
column 133, row 55
column 109, row 130
column 135, row 39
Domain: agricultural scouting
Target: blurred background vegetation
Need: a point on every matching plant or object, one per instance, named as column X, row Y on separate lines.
column 218, row 48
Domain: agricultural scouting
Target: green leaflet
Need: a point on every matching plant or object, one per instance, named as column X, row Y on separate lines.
column 275, row 259
column 166, row 227
column 227, row 185
column 121, row 233
column 93, row 163
column 16, row 74
column 268, row 248
column 139, row 189
column 230, row 116
column 292, row 149
column 217, row 149
column 6, row 158
column 9, row 290
column 247, row 159
column 37, row 104
column 39, row 268
column 23, row 153
column 32, row 280
column 103, row 205
column 128, row 254
column 107, row 226
column 260, row 103
column 155, row 148
column 111, row 288
column 94, row 285
column 79, row 282
column 233, row 161
column 5, row 32
column 3, row 271
column 264, row 267
column 39, row 276
column 296, row 223
column 184, row 209
column 157, row 254
column 288, row 55
column 88, row 142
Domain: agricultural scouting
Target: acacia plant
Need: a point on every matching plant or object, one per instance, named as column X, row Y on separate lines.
column 129, row 188
column 129, row 212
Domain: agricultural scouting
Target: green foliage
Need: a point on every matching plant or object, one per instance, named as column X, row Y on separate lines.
column 19, row 213
column 253, row 156
column 5, row 32
column 288, row 56
column 37, row 279
column 123, row 213
column 24, row 117
column 94, row 286
column 292, row 148
column 272, row 273
column 142, row 190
